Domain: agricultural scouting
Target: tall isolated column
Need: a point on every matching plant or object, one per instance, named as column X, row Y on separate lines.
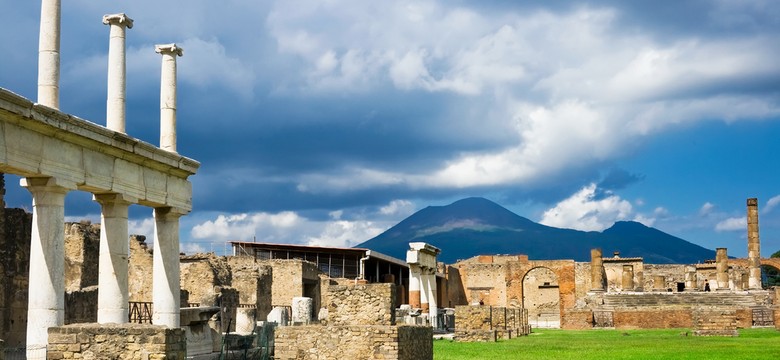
column 722, row 269
column 49, row 54
column 113, row 260
column 166, row 286
column 46, row 292
column 754, row 246
column 596, row 270
column 117, row 71
column 168, row 95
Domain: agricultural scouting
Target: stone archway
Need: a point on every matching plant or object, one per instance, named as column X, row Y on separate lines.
column 770, row 272
column 541, row 297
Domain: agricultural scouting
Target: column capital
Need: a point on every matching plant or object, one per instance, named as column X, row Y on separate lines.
column 170, row 49
column 49, row 184
column 118, row 19
column 114, row 198
column 169, row 213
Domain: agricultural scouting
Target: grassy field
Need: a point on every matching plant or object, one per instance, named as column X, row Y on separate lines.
column 752, row 344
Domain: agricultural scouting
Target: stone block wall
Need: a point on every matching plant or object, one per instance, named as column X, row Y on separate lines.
column 116, row 341
column 486, row 323
column 353, row 342
column 650, row 318
column 82, row 251
column 714, row 322
column 577, row 320
column 370, row 304
column 139, row 282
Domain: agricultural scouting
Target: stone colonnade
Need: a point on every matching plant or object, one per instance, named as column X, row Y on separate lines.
column 421, row 258
column 116, row 169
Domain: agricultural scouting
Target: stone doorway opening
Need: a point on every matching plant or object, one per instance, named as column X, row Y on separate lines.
column 541, row 297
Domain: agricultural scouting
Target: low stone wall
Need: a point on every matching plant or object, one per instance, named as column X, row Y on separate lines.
column 715, row 322
column 577, row 320
column 370, row 304
column 653, row 319
column 487, row 323
column 353, row 342
column 116, row 341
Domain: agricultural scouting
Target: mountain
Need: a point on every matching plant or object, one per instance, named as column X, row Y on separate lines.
column 477, row 226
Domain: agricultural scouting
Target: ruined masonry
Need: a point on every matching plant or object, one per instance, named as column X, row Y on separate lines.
column 56, row 153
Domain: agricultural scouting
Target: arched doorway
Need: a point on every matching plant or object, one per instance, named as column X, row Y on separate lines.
column 770, row 276
column 541, row 297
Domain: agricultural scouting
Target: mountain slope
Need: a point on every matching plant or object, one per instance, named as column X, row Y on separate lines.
column 477, row 226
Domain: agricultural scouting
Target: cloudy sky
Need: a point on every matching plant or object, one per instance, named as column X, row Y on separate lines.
column 326, row 122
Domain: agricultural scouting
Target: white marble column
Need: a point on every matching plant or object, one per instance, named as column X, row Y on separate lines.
column 432, row 306
column 49, row 54
column 46, row 292
column 424, row 289
column 117, row 77
column 113, row 261
column 168, row 95
column 414, row 286
column 166, row 285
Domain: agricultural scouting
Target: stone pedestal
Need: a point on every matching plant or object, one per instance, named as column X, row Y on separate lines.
column 279, row 315
column 199, row 335
column 301, row 310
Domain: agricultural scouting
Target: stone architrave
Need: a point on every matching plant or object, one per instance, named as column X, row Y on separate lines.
column 49, row 54
column 169, row 53
column 46, row 295
column 117, row 71
column 754, row 245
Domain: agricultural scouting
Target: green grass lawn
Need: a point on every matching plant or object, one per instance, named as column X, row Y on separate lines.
column 545, row 344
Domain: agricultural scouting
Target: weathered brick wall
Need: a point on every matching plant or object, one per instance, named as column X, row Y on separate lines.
column 253, row 281
column 202, row 275
column 116, row 341
column 82, row 249
column 370, row 304
column 14, row 268
column 81, row 306
column 294, row 278
column 653, row 318
column 353, row 342
column 139, row 282
column 577, row 320
column 485, row 323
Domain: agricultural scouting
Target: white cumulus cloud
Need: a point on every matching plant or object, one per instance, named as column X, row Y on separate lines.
column 584, row 211
column 732, row 224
